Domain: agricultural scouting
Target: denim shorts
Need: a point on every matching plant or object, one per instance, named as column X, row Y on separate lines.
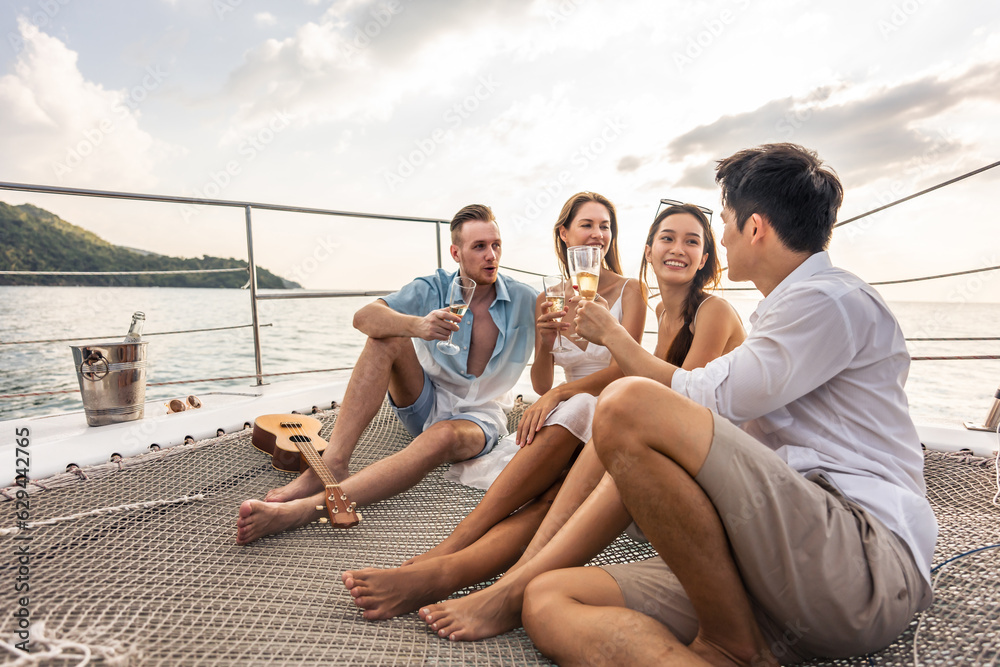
column 415, row 416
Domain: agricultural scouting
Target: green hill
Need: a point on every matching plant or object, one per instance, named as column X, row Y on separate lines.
column 33, row 239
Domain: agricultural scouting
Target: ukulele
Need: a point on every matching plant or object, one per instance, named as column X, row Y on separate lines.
column 289, row 440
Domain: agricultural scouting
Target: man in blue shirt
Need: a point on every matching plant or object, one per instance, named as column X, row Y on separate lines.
column 452, row 404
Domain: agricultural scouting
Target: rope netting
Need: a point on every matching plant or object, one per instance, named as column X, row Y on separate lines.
column 159, row 580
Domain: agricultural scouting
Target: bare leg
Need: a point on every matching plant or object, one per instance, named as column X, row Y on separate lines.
column 258, row 519
column 577, row 617
column 451, row 440
column 532, row 470
column 444, row 442
column 654, row 455
column 487, row 613
column 391, row 592
column 385, row 364
column 582, row 479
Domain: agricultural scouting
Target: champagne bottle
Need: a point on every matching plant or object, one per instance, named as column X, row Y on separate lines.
column 135, row 331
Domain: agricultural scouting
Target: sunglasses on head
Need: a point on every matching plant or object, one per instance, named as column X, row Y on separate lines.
column 674, row 202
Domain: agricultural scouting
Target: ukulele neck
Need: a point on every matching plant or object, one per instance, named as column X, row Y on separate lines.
column 315, row 462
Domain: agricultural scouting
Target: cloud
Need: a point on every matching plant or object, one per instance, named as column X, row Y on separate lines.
column 55, row 120
column 363, row 58
column 865, row 135
column 264, row 18
column 629, row 163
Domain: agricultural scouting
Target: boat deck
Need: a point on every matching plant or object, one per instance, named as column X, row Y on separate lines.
column 157, row 580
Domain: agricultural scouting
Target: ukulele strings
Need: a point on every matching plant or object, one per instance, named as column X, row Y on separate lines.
column 299, row 430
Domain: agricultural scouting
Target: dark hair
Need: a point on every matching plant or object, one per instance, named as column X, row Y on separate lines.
column 706, row 276
column 788, row 185
column 470, row 212
column 568, row 213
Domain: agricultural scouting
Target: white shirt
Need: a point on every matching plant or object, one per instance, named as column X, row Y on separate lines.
column 820, row 380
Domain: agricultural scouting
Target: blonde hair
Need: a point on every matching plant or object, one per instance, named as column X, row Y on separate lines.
column 569, row 210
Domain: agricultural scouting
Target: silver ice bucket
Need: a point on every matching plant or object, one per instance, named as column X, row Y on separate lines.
column 112, row 381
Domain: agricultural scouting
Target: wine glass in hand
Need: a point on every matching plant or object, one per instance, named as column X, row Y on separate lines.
column 556, row 288
column 584, row 264
column 459, row 298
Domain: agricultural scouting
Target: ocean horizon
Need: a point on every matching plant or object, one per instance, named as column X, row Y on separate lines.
column 313, row 334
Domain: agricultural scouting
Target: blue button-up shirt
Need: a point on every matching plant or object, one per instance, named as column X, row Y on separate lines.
column 488, row 396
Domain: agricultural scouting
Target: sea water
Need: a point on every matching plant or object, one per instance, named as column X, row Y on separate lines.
column 313, row 334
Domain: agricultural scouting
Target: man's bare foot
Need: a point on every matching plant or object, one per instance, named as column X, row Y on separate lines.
column 389, row 593
column 259, row 519
column 303, row 486
column 485, row 613
column 714, row 654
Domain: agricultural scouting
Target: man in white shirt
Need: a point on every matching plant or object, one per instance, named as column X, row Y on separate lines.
column 781, row 484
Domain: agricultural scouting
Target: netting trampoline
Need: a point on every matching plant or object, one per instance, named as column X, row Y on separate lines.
column 155, row 577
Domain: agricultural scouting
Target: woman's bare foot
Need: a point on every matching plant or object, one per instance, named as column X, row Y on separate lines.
column 485, row 613
column 449, row 545
column 259, row 519
column 389, row 593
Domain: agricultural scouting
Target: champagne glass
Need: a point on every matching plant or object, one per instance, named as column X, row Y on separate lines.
column 584, row 264
column 555, row 293
column 459, row 297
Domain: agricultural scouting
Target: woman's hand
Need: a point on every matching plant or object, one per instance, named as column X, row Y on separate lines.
column 593, row 320
column 547, row 324
column 533, row 418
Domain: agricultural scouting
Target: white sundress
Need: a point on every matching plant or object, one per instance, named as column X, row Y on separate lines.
column 575, row 414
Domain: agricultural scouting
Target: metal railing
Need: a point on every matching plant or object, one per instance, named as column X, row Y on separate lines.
column 251, row 265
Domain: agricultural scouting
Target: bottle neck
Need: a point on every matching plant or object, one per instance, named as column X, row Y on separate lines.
column 135, row 331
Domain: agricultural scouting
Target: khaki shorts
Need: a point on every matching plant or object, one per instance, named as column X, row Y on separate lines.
column 825, row 578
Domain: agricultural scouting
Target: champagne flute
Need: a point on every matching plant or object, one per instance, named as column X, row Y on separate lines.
column 555, row 293
column 584, row 264
column 459, row 297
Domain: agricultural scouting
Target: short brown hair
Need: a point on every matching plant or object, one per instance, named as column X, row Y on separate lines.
column 470, row 212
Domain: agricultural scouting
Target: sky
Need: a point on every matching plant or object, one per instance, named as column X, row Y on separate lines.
column 419, row 107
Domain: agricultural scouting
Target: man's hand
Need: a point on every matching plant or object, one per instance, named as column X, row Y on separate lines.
column 437, row 325
column 594, row 321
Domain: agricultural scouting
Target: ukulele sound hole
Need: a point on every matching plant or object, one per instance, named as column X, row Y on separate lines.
column 300, row 438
